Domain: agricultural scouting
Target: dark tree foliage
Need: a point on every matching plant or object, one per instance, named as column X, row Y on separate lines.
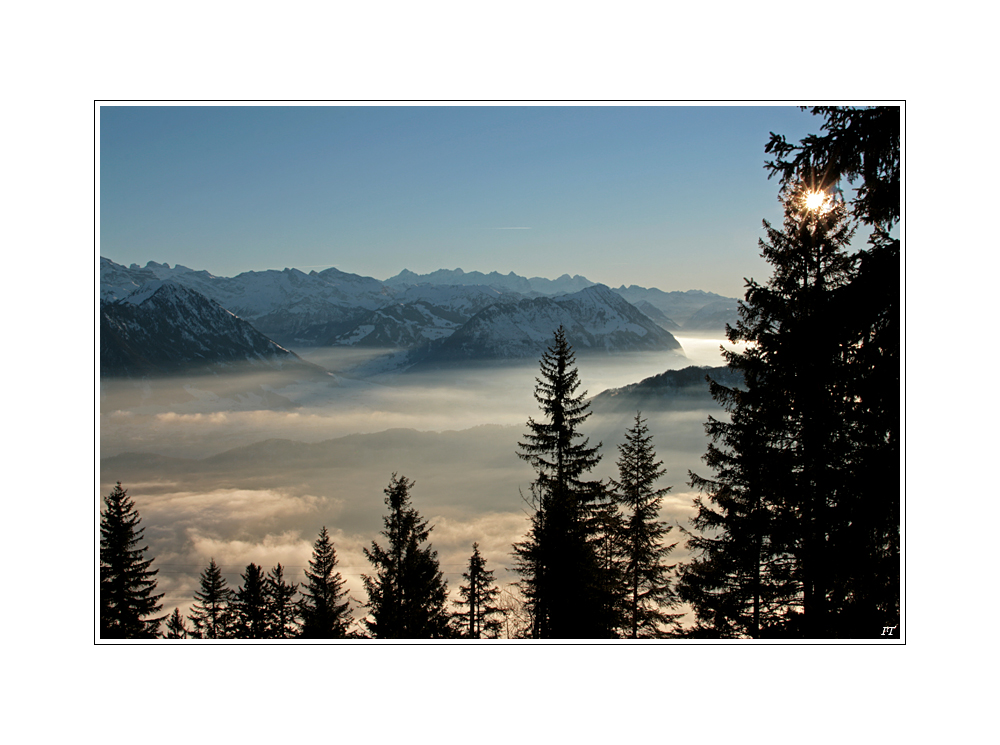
column 608, row 524
column 407, row 595
column 478, row 596
column 763, row 548
column 212, row 612
column 251, row 605
column 128, row 585
column 325, row 609
column 647, row 592
column 283, row 611
column 799, row 534
column 558, row 560
column 176, row 628
column 861, row 145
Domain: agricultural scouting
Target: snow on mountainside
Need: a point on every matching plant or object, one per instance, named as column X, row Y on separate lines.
column 289, row 306
column 423, row 313
column 656, row 314
column 596, row 320
column 332, row 307
column 402, row 326
column 164, row 327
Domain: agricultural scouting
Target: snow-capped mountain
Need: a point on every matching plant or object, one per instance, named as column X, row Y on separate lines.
column 337, row 308
column 163, row 327
column 299, row 309
column 596, row 320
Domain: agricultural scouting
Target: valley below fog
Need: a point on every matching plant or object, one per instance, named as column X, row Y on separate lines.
column 248, row 467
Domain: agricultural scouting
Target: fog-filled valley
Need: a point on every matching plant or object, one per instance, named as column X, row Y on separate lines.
column 248, row 466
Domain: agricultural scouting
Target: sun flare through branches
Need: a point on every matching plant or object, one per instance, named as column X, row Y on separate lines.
column 816, row 200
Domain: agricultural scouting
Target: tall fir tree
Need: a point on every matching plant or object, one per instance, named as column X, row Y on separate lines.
column 283, row 611
column 648, row 594
column 407, row 595
column 558, row 560
column 128, row 585
column 212, row 612
column 478, row 596
column 325, row 608
column 251, row 605
column 763, row 553
column 176, row 628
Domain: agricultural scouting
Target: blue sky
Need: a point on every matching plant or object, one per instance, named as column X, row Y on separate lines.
column 657, row 196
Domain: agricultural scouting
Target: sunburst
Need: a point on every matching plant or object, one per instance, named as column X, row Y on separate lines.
column 816, row 200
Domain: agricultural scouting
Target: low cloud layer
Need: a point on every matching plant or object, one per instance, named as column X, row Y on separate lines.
column 226, row 478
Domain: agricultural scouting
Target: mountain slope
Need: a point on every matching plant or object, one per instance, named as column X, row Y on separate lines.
column 596, row 321
column 164, row 328
column 678, row 306
column 673, row 389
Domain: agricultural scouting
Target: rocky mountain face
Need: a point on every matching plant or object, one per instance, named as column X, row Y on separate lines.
column 165, row 328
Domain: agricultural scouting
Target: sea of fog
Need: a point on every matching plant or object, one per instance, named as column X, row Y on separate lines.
column 249, row 468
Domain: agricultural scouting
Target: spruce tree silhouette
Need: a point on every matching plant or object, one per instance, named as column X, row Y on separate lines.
column 325, row 609
column 283, row 611
column 127, row 582
column 212, row 612
column 479, row 597
column 646, row 575
column 176, row 628
column 407, row 594
column 251, row 605
column 558, row 561
column 763, row 552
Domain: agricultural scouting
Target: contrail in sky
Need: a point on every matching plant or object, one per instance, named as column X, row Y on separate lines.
column 512, row 228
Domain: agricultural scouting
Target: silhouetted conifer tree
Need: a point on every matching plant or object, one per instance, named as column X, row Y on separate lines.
column 609, row 534
column 558, row 561
column 127, row 582
column 176, row 629
column 861, row 145
column 212, row 613
column 283, row 611
column 764, row 555
column 407, row 595
column 325, row 609
column 251, row 605
column 479, row 597
column 645, row 573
